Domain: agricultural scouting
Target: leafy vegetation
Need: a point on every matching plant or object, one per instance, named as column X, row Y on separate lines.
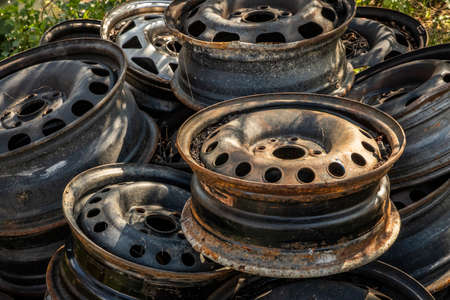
column 23, row 22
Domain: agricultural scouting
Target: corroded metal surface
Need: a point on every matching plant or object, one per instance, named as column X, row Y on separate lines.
column 151, row 50
column 419, row 249
column 415, row 89
column 324, row 218
column 72, row 29
column 248, row 47
column 376, row 281
column 63, row 110
column 126, row 238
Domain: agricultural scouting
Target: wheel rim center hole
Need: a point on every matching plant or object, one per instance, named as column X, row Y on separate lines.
column 259, row 16
column 289, row 152
column 32, row 108
column 161, row 224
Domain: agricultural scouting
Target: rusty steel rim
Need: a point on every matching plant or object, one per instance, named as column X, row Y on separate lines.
column 55, row 124
column 414, row 88
column 150, row 49
column 424, row 210
column 281, row 202
column 71, row 29
column 377, row 281
column 139, row 29
column 213, row 32
column 141, row 204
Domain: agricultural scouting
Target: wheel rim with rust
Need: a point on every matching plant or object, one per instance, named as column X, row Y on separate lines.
column 229, row 48
column 151, row 50
column 299, row 209
column 125, row 221
column 57, row 109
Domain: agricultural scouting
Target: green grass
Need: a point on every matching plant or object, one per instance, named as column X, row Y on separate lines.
column 22, row 22
column 434, row 14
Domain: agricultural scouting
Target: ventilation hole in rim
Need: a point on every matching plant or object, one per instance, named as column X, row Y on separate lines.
column 368, row 147
column 95, row 200
column 196, row 28
column 132, row 43
column 81, row 107
column 285, row 13
column 317, row 152
column 32, row 107
column 188, row 259
column 93, row 212
column 137, row 251
column 146, row 63
column 194, row 12
column 237, row 13
column 152, row 17
column 174, row 46
column 221, row 159
column 310, row 30
column 446, row 78
column 100, row 72
column 128, row 27
column 328, row 14
column 416, row 195
column 259, row 16
column 100, row 227
column 289, row 152
column 163, row 258
column 106, row 190
column 140, row 210
column 161, row 224
column 226, row 37
column 18, row 140
column 263, row 7
column 401, row 39
column 273, row 175
column 306, row 175
column 243, row 169
column 173, row 66
column 180, row 235
column 293, row 139
column 211, row 147
column 392, row 54
column 52, row 126
column 272, row 37
column 366, row 134
column 98, row 88
column 336, row 169
column 399, row 205
column 261, row 148
column 358, row 159
column 410, row 101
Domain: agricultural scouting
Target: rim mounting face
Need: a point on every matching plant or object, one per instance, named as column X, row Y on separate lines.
column 63, row 109
column 229, row 48
column 262, row 174
column 125, row 221
column 151, row 50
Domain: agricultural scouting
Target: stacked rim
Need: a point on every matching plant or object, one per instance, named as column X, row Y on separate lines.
column 302, row 195
column 127, row 240
column 232, row 49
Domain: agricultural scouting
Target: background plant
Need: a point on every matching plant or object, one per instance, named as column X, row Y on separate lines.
column 23, row 22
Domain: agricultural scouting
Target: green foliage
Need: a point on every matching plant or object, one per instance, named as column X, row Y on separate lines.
column 23, row 22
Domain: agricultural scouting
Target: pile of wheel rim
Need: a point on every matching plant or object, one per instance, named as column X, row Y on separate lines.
column 294, row 192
